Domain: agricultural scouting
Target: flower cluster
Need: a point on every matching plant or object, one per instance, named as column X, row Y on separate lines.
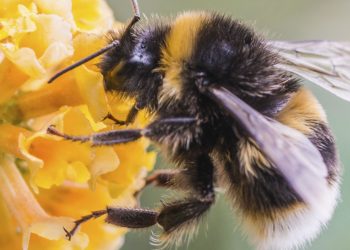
column 47, row 182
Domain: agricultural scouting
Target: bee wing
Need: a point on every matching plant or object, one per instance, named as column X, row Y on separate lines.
column 324, row 63
column 290, row 151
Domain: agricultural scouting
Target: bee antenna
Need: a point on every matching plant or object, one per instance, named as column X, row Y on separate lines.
column 135, row 7
column 112, row 45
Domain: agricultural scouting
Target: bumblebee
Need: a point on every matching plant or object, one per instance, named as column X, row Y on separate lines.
column 229, row 111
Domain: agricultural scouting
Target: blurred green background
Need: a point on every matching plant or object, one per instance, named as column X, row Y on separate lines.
column 276, row 19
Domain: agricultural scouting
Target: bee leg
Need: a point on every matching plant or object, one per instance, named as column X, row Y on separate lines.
column 131, row 217
column 129, row 119
column 180, row 215
column 114, row 137
column 116, row 121
column 162, row 177
column 173, row 216
column 133, row 113
column 159, row 178
column 177, row 179
column 93, row 215
column 123, row 217
column 137, row 15
column 104, row 138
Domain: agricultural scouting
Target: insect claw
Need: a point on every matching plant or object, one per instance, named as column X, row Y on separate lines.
column 109, row 116
column 53, row 131
column 68, row 234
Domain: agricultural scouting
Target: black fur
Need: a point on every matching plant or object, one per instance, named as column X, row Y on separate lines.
column 178, row 213
column 323, row 139
column 230, row 54
column 263, row 195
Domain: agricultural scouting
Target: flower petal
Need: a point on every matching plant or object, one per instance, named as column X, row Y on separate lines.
column 9, row 238
column 55, row 54
column 86, row 44
column 50, row 98
column 91, row 88
column 11, row 79
column 9, row 7
column 19, row 23
column 25, row 209
column 95, row 17
column 52, row 160
column 69, row 179
column 24, row 58
column 50, row 29
column 72, row 200
column 131, row 168
column 61, row 8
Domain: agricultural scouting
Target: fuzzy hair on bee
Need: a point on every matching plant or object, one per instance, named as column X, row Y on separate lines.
column 229, row 111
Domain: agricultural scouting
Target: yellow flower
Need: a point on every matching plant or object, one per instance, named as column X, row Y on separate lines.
column 30, row 217
column 46, row 182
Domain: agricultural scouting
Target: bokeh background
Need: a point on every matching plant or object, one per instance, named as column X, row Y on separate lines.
column 276, row 19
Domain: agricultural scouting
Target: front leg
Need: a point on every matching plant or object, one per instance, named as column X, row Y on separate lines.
column 130, row 117
column 178, row 139
column 114, row 137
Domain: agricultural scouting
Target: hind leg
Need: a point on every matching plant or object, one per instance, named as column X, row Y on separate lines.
column 160, row 178
column 181, row 216
column 177, row 179
column 176, row 217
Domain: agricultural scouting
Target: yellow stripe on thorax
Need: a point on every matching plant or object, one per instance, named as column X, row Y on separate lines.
column 178, row 49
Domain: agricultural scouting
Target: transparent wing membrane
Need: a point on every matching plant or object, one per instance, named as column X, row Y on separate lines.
column 325, row 63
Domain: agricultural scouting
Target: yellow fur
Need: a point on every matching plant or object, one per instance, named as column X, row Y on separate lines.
column 111, row 74
column 249, row 154
column 183, row 32
column 117, row 68
column 300, row 112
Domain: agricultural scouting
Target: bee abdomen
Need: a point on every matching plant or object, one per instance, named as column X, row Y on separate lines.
column 272, row 214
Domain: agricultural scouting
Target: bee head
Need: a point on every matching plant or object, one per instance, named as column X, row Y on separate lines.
column 130, row 68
